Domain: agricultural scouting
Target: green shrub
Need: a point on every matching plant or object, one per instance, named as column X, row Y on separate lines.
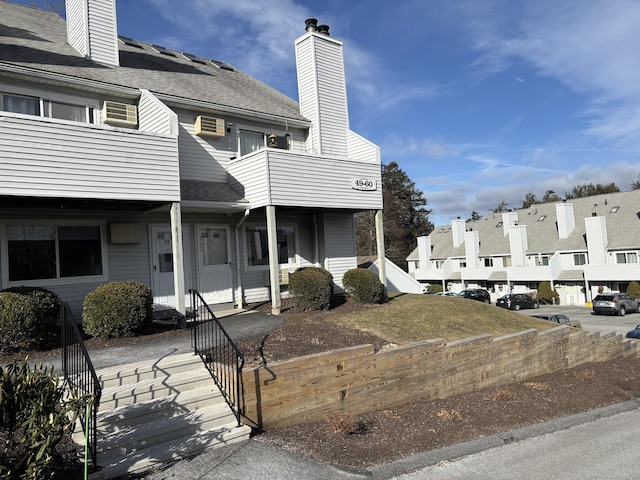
column 546, row 295
column 435, row 287
column 34, row 416
column 634, row 289
column 46, row 303
column 19, row 324
column 363, row 285
column 117, row 309
column 311, row 288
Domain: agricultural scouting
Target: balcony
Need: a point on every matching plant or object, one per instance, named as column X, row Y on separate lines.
column 42, row 157
column 284, row 178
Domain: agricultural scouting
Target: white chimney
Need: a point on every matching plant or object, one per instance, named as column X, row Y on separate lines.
column 472, row 248
column 509, row 219
column 566, row 219
column 322, row 90
column 92, row 29
column 457, row 231
column 518, row 245
column 596, row 228
column 424, row 252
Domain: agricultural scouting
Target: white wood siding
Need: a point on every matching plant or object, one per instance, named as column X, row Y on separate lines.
column 284, row 178
column 77, row 35
column 361, row 149
column 154, row 116
column 340, row 245
column 53, row 158
column 203, row 158
column 103, row 41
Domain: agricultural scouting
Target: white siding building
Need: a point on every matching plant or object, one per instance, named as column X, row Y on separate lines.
column 122, row 160
column 581, row 247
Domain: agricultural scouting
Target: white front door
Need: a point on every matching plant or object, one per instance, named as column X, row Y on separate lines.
column 214, row 264
column 162, row 265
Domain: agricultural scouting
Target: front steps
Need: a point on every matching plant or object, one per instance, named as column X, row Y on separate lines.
column 159, row 411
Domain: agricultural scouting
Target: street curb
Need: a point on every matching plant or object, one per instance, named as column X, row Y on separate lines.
column 453, row 452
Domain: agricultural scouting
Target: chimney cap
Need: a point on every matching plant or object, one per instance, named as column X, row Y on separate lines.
column 324, row 30
column 311, row 24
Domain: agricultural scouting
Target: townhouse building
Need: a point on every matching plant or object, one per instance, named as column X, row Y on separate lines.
column 581, row 246
column 124, row 160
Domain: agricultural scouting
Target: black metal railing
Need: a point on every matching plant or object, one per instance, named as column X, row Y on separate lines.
column 80, row 376
column 219, row 354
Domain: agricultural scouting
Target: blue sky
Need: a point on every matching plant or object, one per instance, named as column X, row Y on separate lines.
column 478, row 101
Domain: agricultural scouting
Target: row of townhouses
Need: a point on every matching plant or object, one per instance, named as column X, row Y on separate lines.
column 582, row 247
column 123, row 160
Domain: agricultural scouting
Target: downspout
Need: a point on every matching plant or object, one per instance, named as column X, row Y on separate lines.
column 316, row 248
column 239, row 295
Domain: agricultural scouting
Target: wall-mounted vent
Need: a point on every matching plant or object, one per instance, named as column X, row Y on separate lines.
column 115, row 113
column 209, row 126
column 283, row 277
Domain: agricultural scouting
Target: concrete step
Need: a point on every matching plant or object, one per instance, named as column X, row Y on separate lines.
column 146, row 459
column 145, row 370
column 176, row 428
column 149, row 410
column 155, row 388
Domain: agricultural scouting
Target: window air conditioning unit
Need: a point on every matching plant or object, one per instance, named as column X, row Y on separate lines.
column 115, row 113
column 209, row 126
column 283, row 277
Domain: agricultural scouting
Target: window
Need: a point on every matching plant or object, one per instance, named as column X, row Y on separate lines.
column 488, row 262
column 253, row 141
column 47, row 108
column 627, row 257
column 38, row 252
column 579, row 259
column 462, row 264
column 258, row 248
column 439, row 263
column 541, row 260
column 506, row 262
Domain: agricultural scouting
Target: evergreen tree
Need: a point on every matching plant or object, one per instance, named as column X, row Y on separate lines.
column 404, row 216
column 550, row 196
column 529, row 199
column 589, row 189
column 636, row 185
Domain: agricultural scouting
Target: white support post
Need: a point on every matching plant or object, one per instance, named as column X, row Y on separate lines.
column 382, row 270
column 178, row 257
column 274, row 264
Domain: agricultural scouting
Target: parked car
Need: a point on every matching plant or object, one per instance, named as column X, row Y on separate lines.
column 558, row 318
column 516, row 301
column 446, row 294
column 614, row 304
column 476, row 294
column 635, row 333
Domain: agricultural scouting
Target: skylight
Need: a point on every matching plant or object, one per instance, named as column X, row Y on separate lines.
column 499, row 224
column 195, row 58
column 614, row 209
column 130, row 41
column 223, row 65
column 163, row 50
column 542, row 217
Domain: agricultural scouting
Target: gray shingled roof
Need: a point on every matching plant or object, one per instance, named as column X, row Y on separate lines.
column 623, row 228
column 199, row 191
column 36, row 40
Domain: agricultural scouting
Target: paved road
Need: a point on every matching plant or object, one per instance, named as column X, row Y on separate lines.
column 594, row 323
column 605, row 448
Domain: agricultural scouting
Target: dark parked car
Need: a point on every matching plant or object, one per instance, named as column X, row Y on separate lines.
column 635, row 333
column 476, row 294
column 615, row 304
column 516, row 301
column 559, row 318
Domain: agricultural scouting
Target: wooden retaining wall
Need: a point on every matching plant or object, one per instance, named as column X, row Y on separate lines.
column 358, row 379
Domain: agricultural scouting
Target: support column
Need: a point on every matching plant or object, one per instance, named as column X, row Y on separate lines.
column 274, row 264
column 178, row 257
column 382, row 269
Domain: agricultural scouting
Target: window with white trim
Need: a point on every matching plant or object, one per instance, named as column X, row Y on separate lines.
column 44, row 252
column 258, row 246
column 251, row 141
column 39, row 107
column 579, row 259
column 626, row 257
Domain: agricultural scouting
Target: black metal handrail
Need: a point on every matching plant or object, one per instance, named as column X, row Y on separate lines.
column 79, row 375
column 219, row 353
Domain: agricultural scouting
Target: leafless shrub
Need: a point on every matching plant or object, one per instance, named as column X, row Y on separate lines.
column 449, row 415
column 587, row 375
column 503, row 395
column 345, row 423
column 537, row 385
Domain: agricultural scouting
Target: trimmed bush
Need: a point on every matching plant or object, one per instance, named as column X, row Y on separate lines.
column 34, row 416
column 311, row 288
column 547, row 296
column 363, row 285
column 117, row 309
column 20, row 326
column 634, row 289
column 46, row 303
